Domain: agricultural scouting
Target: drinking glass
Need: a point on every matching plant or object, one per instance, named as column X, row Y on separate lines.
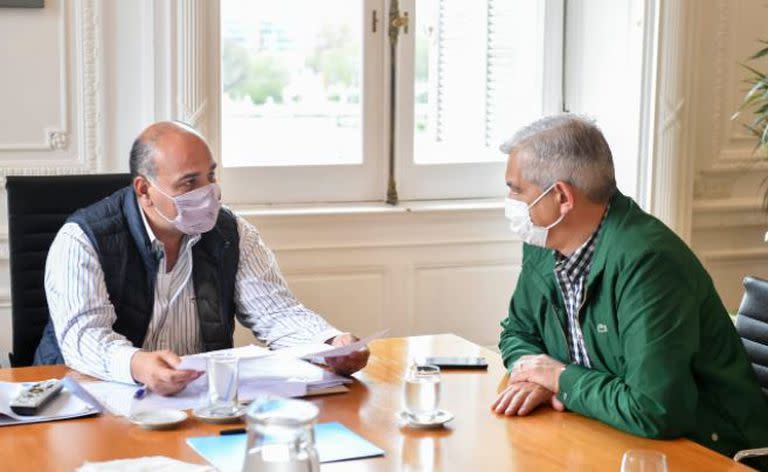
column 222, row 384
column 422, row 392
column 643, row 461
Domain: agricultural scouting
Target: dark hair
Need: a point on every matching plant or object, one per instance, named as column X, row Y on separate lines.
column 142, row 158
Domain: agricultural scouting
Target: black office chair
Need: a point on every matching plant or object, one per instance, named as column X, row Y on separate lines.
column 752, row 326
column 37, row 208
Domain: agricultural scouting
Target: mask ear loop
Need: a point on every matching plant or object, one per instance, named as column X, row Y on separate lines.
column 557, row 221
column 157, row 210
column 549, row 189
column 544, row 193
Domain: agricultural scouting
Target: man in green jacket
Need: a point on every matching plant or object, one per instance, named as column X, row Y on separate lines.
column 613, row 317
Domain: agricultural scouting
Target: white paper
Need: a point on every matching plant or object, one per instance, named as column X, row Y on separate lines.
column 193, row 396
column 144, row 464
column 199, row 362
column 303, row 351
column 249, row 391
column 287, row 368
column 65, row 405
column 310, row 351
column 116, row 397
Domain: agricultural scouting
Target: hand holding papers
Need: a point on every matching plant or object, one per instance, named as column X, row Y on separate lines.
column 283, row 376
column 283, row 372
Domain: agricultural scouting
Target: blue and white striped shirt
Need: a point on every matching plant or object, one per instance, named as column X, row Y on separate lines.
column 83, row 316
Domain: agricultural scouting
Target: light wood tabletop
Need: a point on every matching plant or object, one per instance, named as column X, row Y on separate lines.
column 475, row 440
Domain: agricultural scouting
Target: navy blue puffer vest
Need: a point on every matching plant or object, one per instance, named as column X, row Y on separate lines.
column 116, row 230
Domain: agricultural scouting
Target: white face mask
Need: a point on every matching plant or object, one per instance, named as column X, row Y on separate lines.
column 196, row 211
column 519, row 216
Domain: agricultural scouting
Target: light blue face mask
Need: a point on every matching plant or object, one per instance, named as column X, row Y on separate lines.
column 519, row 216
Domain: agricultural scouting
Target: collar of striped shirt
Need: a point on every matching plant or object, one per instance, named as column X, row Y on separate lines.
column 579, row 262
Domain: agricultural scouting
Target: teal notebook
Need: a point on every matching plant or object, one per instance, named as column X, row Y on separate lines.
column 334, row 442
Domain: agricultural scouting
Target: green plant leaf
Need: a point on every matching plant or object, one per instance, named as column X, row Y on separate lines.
column 760, row 53
column 754, row 71
column 758, row 121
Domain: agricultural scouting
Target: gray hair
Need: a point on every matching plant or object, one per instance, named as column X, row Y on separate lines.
column 568, row 148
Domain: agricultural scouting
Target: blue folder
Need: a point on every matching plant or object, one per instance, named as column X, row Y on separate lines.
column 334, row 442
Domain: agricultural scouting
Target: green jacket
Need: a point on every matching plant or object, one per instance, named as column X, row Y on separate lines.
column 666, row 358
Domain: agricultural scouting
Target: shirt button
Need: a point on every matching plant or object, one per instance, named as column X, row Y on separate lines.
column 715, row 437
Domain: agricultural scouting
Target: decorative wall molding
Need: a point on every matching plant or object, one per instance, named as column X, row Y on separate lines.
column 471, row 263
column 58, row 140
column 721, row 37
column 720, row 205
column 192, row 57
column 672, row 166
column 390, row 229
column 92, row 57
column 335, row 270
column 81, row 84
column 65, row 38
column 733, row 152
column 734, row 255
column 5, row 251
column 728, row 214
column 671, row 114
column 734, row 166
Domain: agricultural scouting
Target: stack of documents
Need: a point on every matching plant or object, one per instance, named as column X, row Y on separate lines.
column 284, row 372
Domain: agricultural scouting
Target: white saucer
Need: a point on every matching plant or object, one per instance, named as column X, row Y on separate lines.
column 440, row 418
column 165, row 418
column 204, row 413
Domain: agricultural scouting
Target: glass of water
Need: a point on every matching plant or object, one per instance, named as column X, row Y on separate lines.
column 638, row 460
column 222, row 384
column 422, row 392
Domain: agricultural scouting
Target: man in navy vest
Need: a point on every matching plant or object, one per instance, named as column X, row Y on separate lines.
column 159, row 269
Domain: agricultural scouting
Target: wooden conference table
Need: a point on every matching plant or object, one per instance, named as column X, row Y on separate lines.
column 475, row 440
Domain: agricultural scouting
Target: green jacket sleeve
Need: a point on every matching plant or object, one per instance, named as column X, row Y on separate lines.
column 657, row 316
column 519, row 335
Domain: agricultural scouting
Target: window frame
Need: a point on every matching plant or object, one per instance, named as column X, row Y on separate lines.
column 315, row 183
column 466, row 180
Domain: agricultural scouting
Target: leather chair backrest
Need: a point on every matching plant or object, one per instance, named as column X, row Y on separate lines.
column 37, row 208
column 752, row 326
